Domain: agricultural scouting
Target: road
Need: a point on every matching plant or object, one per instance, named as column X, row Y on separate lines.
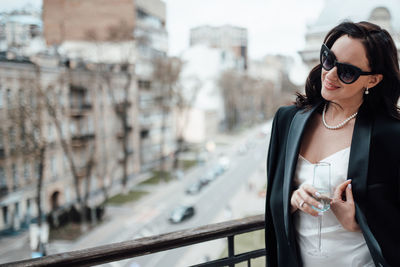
column 209, row 203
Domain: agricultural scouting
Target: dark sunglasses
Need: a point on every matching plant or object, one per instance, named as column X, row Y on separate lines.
column 347, row 73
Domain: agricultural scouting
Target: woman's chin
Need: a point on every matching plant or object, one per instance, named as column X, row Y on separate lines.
column 327, row 94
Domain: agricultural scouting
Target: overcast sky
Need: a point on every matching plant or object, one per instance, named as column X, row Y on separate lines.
column 274, row 26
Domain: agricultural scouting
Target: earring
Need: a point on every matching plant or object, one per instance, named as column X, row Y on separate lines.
column 366, row 91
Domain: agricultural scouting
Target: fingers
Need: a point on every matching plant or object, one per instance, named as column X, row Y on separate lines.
column 302, row 200
column 349, row 194
column 311, row 190
column 308, row 199
column 337, row 195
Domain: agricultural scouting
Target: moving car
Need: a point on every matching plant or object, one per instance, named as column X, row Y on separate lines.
column 181, row 213
column 195, row 188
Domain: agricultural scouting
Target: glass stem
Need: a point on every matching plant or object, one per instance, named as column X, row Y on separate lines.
column 319, row 232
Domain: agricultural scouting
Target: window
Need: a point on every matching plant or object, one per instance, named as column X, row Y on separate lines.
column 14, row 176
column 1, row 139
column 21, row 98
column 65, row 164
column 5, row 215
column 51, row 132
column 1, row 98
column 72, row 128
column 26, row 171
column 12, row 138
column 90, row 125
column 64, row 128
column 33, row 101
column 37, row 169
column 8, row 98
column 3, row 181
column 23, row 136
column 53, row 167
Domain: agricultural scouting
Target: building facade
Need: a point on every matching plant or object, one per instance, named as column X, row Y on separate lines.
column 231, row 39
column 119, row 31
column 85, row 132
column 157, row 135
column 21, row 31
column 384, row 13
column 88, row 20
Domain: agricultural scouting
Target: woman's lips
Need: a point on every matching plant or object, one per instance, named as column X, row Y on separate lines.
column 330, row 86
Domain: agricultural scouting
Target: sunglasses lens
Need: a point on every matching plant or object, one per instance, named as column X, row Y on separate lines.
column 347, row 74
column 327, row 60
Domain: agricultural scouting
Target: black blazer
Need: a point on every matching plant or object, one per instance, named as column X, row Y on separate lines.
column 374, row 167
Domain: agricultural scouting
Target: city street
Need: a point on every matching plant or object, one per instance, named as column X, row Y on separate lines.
column 214, row 203
column 210, row 204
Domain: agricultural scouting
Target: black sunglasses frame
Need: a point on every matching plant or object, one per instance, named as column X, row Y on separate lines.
column 357, row 71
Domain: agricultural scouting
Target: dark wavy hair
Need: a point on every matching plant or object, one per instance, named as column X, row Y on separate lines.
column 382, row 58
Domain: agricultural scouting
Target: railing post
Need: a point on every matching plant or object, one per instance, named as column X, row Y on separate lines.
column 231, row 248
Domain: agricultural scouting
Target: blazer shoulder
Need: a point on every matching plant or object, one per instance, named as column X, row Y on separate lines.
column 286, row 113
column 387, row 123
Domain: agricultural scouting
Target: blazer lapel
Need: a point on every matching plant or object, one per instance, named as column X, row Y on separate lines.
column 358, row 172
column 291, row 154
column 359, row 156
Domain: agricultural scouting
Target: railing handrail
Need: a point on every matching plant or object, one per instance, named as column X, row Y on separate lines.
column 147, row 245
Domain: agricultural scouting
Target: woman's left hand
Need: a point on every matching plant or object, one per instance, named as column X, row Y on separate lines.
column 344, row 209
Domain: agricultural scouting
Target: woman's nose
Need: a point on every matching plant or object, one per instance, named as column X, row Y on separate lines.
column 332, row 74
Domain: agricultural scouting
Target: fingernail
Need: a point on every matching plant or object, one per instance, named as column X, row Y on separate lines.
column 320, row 213
column 349, row 186
column 317, row 194
column 320, row 206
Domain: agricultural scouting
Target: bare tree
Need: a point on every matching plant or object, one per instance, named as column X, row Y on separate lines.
column 230, row 84
column 118, row 81
column 26, row 117
column 166, row 73
column 48, row 96
column 245, row 98
column 185, row 96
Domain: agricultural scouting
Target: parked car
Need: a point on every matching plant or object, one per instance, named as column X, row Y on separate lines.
column 218, row 169
column 224, row 162
column 195, row 188
column 181, row 213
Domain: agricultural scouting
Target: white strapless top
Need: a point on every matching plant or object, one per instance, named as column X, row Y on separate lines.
column 344, row 248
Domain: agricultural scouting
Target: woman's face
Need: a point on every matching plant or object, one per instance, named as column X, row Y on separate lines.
column 351, row 51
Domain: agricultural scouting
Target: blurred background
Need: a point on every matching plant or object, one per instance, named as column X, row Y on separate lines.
column 123, row 119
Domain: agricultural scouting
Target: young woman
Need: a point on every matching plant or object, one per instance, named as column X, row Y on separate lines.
column 349, row 118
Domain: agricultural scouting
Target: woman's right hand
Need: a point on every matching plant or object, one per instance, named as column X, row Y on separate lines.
column 302, row 199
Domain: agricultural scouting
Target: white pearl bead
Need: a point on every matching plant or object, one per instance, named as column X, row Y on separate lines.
column 340, row 125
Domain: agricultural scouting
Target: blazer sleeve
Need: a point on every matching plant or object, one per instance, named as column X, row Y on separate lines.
column 270, row 239
column 384, row 219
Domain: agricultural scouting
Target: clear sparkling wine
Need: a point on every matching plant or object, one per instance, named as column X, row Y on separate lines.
column 324, row 199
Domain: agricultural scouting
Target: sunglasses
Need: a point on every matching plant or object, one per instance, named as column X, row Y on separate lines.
column 347, row 73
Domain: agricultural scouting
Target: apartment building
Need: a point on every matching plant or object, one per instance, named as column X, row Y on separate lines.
column 20, row 31
column 86, row 122
column 152, row 44
column 231, row 39
column 115, row 31
column 107, row 113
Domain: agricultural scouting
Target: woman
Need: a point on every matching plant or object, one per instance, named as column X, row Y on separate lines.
column 349, row 118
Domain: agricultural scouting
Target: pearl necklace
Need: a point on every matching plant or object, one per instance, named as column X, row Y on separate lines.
column 340, row 125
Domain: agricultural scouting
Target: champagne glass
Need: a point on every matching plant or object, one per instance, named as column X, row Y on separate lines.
column 322, row 183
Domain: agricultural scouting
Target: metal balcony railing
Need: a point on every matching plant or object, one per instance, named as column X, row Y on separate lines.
column 164, row 242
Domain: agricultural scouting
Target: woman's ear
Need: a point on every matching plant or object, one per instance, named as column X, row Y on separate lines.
column 374, row 80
